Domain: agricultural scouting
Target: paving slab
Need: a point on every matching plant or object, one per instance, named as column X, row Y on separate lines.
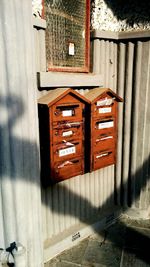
column 133, row 258
column 124, row 244
column 106, row 254
column 75, row 254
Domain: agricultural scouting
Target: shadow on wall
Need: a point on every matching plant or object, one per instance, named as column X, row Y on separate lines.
column 14, row 149
column 19, row 146
column 133, row 11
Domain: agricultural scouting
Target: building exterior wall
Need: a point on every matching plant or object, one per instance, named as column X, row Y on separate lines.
column 29, row 211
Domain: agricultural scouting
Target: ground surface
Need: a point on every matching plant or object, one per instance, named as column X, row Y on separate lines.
column 124, row 244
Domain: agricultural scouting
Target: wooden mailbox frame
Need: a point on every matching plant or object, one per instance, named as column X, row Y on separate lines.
column 55, row 165
column 103, row 140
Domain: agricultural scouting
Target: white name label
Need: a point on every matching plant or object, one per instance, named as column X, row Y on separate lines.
column 66, row 113
column 104, row 110
column 68, row 133
column 103, row 125
column 67, row 151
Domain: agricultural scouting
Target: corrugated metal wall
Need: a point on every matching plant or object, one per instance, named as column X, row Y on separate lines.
column 125, row 66
column 20, row 192
column 78, row 199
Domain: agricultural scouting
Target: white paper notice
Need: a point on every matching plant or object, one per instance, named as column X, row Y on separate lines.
column 71, row 49
column 66, row 113
column 68, row 133
column 104, row 102
column 107, row 124
column 67, row 151
column 104, row 110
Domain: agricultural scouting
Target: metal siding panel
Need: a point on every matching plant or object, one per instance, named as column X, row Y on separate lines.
column 140, row 128
column 106, row 70
column 144, row 122
column 42, row 50
column 19, row 133
column 86, row 193
column 103, row 61
column 37, row 49
column 96, row 56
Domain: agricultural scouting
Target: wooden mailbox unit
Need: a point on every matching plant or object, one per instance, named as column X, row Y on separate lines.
column 61, row 122
column 103, row 125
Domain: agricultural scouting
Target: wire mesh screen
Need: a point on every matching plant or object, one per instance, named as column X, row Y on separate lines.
column 66, row 34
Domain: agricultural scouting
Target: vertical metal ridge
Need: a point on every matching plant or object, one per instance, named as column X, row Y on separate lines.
column 135, row 116
column 142, row 99
column 120, row 91
column 127, row 121
column 96, row 56
column 146, row 128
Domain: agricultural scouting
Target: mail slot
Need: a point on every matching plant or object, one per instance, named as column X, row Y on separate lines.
column 65, row 150
column 103, row 158
column 67, row 169
column 102, row 108
column 64, row 112
column 104, row 141
column 104, row 124
column 62, row 128
column 67, row 131
column 103, row 127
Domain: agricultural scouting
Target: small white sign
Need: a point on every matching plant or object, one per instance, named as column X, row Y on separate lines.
column 104, row 110
column 67, row 113
column 71, row 49
column 67, row 151
column 103, row 125
column 104, row 102
column 67, row 133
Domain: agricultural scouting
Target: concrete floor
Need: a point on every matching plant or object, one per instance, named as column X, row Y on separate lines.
column 124, row 244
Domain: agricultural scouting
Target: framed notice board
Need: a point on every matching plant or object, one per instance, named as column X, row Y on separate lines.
column 67, row 35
